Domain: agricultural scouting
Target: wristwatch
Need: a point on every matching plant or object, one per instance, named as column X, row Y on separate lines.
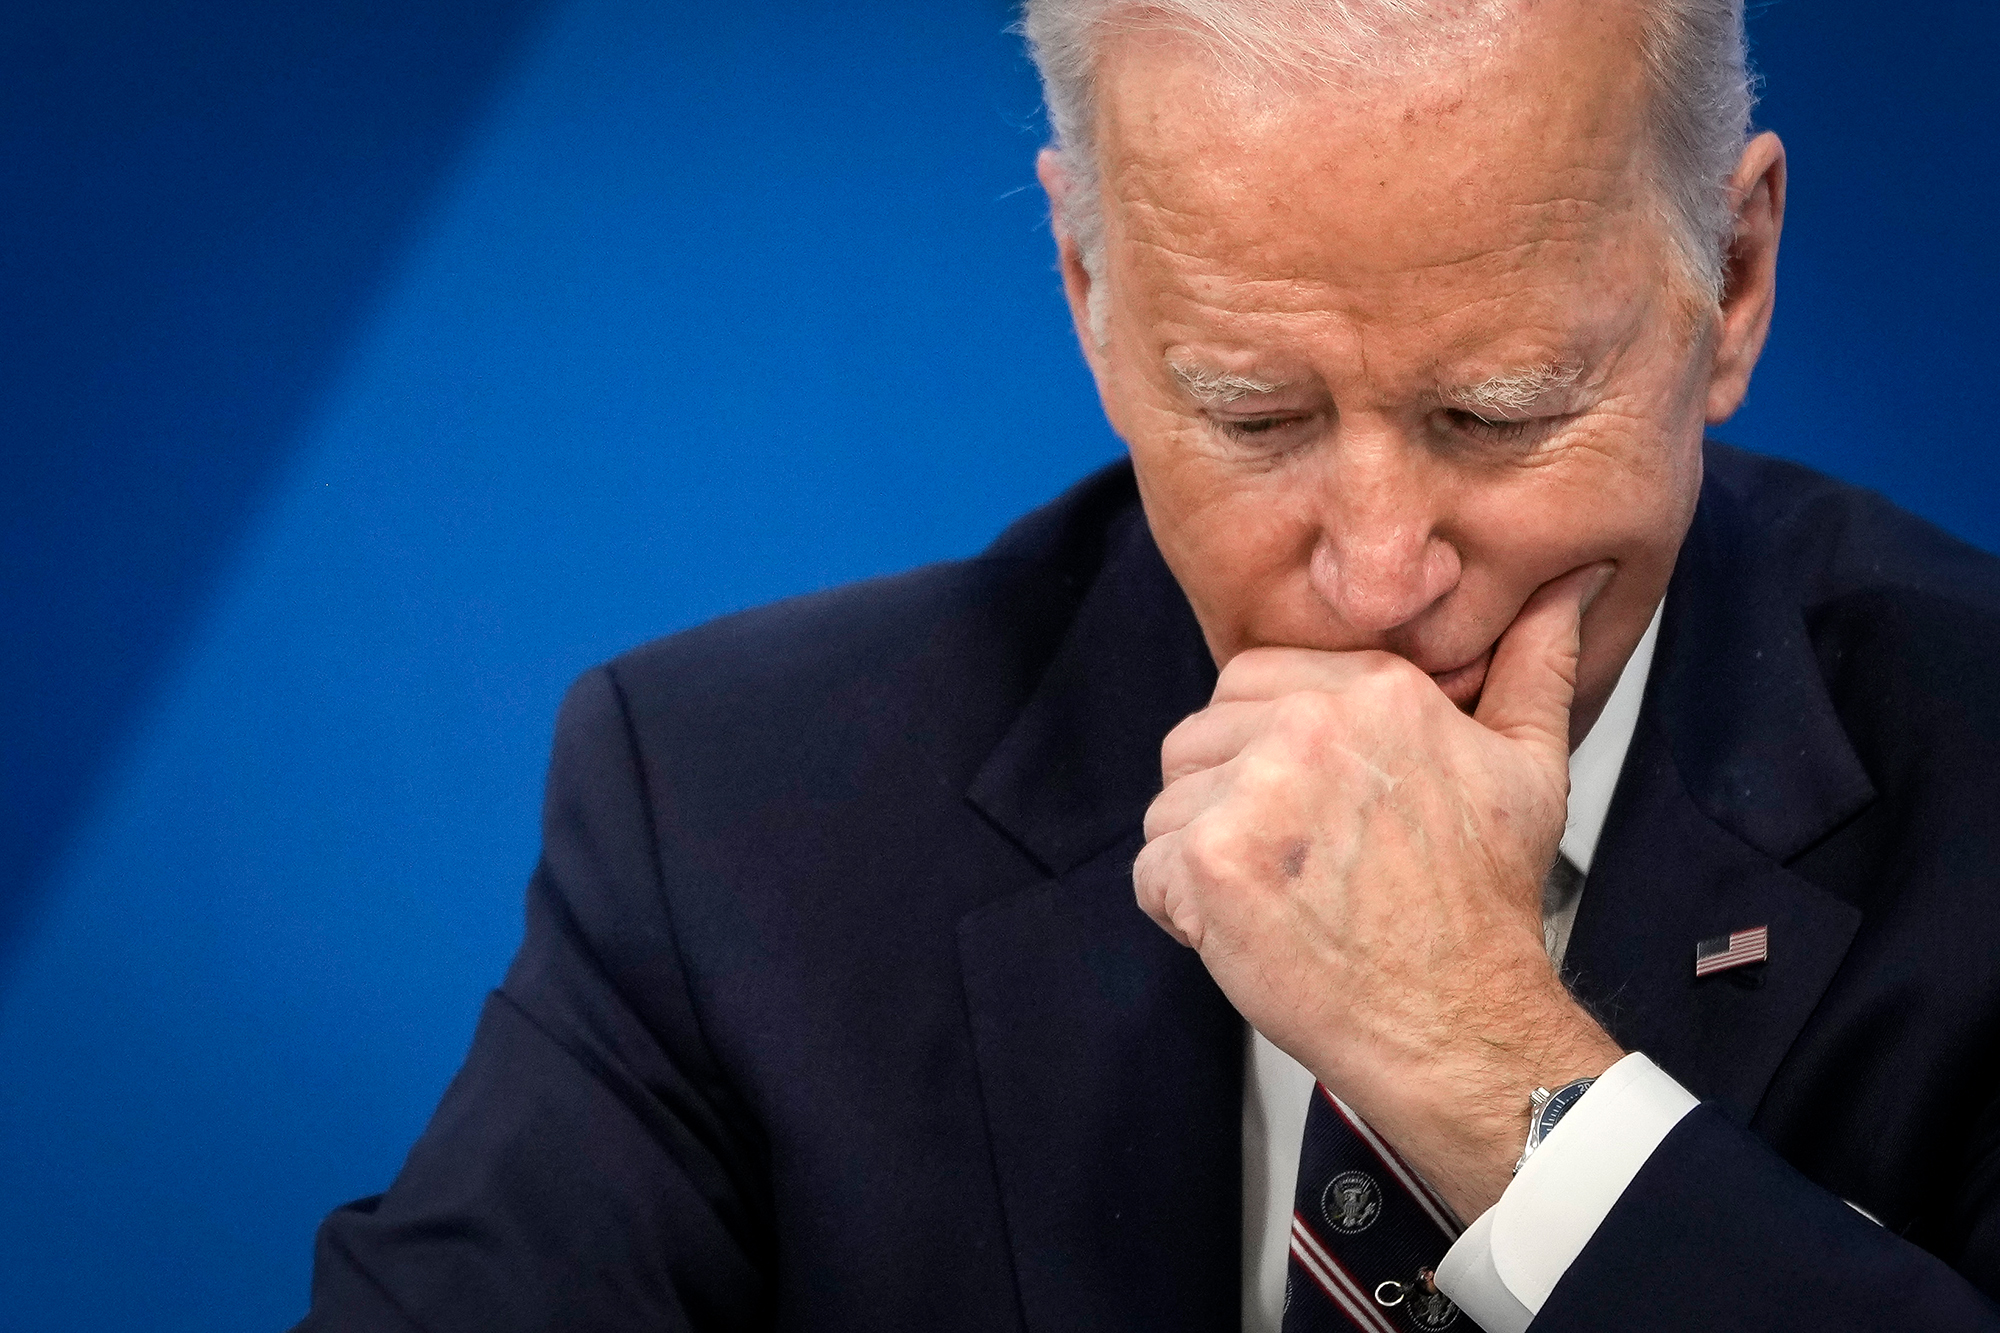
column 1545, row 1108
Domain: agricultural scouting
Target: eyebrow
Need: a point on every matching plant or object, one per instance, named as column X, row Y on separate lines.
column 1509, row 391
column 1218, row 388
column 1514, row 390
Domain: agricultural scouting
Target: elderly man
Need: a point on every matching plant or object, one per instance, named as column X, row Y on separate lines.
column 837, row 1008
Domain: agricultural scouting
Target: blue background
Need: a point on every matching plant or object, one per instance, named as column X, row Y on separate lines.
column 370, row 369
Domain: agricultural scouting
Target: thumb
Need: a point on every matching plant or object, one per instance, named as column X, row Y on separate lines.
column 1532, row 682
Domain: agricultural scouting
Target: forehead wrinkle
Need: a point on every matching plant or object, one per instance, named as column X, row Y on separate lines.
column 1190, row 262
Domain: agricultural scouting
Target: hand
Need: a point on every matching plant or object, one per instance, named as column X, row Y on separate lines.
column 1360, row 866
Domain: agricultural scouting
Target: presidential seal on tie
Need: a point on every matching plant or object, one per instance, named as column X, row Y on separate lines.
column 1351, row 1202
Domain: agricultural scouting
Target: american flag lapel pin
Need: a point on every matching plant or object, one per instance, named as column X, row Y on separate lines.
column 1739, row 948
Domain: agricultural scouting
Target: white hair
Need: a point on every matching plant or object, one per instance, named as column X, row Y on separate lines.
column 1696, row 56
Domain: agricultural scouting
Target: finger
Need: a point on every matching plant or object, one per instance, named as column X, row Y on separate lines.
column 1152, row 874
column 1532, row 683
column 1214, row 736
column 1263, row 674
column 1183, row 799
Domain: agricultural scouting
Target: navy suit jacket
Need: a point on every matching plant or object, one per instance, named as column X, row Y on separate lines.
column 835, row 1011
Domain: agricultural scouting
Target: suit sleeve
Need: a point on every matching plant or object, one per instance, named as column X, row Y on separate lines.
column 1717, row 1231
column 589, row 1167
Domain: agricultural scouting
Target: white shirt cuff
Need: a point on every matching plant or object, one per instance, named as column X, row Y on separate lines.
column 1508, row 1261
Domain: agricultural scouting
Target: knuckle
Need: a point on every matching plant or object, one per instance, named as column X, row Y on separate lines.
column 1313, row 726
column 1260, row 774
column 1209, row 848
column 1308, row 713
column 1248, row 673
column 1394, row 682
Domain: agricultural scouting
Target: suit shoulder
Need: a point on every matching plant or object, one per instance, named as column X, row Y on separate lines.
column 1840, row 540
column 945, row 653
column 1909, row 670
column 1903, row 618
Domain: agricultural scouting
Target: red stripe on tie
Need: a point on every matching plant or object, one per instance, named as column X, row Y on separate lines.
column 1341, row 1287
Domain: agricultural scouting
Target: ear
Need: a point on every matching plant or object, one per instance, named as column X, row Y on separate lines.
column 1750, row 273
column 1058, row 183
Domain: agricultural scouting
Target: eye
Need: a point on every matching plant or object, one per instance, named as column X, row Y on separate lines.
column 1254, row 425
column 1247, row 428
column 1472, row 425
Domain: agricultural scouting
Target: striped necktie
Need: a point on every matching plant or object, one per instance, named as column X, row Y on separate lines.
column 1367, row 1233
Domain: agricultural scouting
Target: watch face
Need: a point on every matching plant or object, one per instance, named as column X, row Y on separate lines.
column 1558, row 1106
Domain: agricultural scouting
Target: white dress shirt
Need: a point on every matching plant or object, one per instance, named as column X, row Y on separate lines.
column 1510, row 1257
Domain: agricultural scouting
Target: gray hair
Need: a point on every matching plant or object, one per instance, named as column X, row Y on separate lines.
column 1695, row 50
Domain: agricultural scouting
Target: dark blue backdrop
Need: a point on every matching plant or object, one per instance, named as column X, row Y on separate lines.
column 371, row 369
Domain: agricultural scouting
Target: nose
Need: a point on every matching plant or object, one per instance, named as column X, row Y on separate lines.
column 1379, row 562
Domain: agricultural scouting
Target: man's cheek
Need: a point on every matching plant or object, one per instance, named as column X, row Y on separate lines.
column 1543, row 526
column 1239, row 557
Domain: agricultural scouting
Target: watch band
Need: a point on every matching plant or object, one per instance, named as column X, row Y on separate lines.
column 1545, row 1109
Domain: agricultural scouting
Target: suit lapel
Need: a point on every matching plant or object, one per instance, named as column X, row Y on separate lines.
column 1738, row 765
column 1667, row 875
column 1081, row 763
column 1111, row 1069
column 1110, row 1064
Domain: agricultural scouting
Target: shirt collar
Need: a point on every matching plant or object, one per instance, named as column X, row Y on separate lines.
column 1594, row 765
